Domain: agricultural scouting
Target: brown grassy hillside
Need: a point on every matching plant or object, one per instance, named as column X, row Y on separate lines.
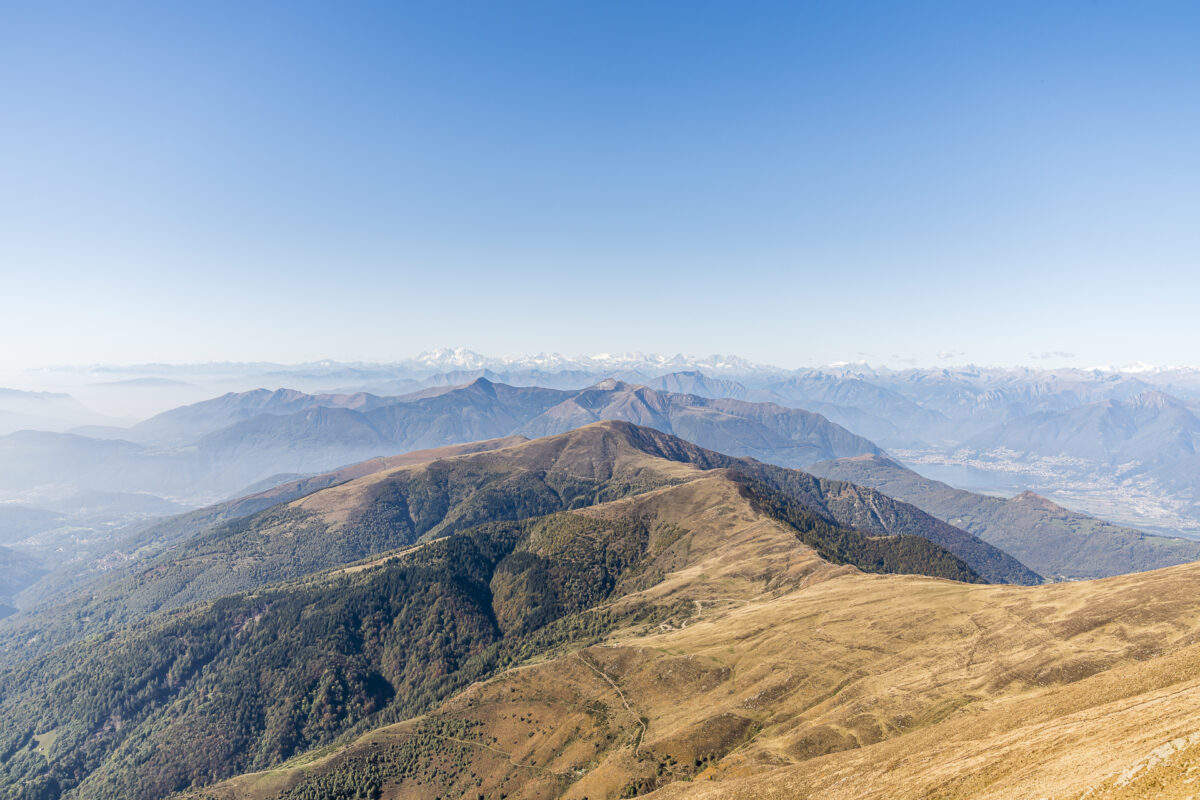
column 782, row 676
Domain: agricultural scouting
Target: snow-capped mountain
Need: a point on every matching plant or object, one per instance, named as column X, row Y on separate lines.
column 459, row 358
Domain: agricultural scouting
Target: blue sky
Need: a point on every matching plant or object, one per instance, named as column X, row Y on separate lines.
column 793, row 182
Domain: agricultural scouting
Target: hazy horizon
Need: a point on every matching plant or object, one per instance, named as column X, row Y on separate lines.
column 126, row 393
column 1046, row 361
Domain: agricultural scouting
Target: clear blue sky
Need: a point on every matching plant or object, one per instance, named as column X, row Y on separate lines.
column 793, row 182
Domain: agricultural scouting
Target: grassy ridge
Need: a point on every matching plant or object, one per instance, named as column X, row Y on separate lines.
column 381, row 512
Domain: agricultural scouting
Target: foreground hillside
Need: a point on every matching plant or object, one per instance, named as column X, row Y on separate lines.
column 791, row 678
column 506, row 555
column 611, row 612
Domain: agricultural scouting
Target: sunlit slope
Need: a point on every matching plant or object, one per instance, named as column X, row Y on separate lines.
column 373, row 513
column 254, row 679
column 833, row 684
column 184, row 526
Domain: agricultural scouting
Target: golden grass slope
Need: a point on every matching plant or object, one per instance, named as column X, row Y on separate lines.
column 787, row 677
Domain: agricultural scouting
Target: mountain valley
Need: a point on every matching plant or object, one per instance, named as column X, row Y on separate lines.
column 833, row 431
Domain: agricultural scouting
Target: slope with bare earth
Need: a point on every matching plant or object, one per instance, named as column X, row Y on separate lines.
column 830, row 683
column 1049, row 538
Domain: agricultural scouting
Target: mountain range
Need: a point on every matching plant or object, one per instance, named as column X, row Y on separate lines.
column 496, row 547
column 608, row 612
column 217, row 447
column 1134, row 460
column 55, row 411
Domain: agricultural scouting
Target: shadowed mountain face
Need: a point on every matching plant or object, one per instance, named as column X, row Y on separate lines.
column 697, row 383
column 32, row 458
column 1136, row 458
column 188, row 423
column 51, row 411
column 481, row 409
column 1049, row 538
column 1151, row 430
column 18, row 521
column 858, row 404
column 214, row 448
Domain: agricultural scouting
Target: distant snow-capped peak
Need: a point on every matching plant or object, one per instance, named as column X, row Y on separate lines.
column 461, row 358
column 451, row 358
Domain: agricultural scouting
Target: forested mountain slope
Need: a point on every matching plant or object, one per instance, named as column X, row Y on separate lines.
column 184, row 698
column 123, row 557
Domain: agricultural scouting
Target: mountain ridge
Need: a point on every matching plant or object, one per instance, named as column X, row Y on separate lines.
column 843, row 686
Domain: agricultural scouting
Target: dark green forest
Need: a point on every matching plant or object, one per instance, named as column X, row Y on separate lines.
column 252, row 679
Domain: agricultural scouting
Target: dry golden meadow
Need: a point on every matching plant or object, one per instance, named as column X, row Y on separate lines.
column 783, row 676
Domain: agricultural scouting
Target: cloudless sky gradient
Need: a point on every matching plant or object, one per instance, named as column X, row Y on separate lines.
column 793, row 182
